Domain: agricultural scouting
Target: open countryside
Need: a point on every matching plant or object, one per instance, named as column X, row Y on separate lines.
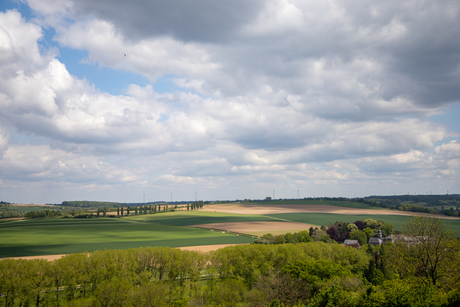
column 227, row 223
column 276, row 255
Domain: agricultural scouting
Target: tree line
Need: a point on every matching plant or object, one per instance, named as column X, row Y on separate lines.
column 423, row 272
column 90, row 204
column 410, row 203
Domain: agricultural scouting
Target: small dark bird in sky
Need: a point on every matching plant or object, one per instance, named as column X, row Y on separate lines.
column 124, row 54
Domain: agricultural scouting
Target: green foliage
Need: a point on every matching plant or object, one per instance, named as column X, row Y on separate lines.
column 305, row 274
column 352, row 227
column 91, row 204
column 433, row 204
column 289, row 238
column 327, row 297
column 369, row 232
column 316, row 272
column 298, row 237
column 399, row 293
column 43, row 213
column 280, row 239
column 302, row 236
column 267, row 236
column 372, row 224
column 229, row 294
column 387, row 229
column 318, row 234
column 426, row 250
column 360, row 236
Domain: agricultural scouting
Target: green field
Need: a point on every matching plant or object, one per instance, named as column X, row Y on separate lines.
column 324, row 219
column 47, row 236
column 33, row 237
column 338, row 203
column 47, row 222
column 189, row 218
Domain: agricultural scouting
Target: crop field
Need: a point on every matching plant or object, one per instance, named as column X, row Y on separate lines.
column 189, row 218
column 344, row 203
column 61, row 236
column 52, row 222
column 323, row 219
column 48, row 236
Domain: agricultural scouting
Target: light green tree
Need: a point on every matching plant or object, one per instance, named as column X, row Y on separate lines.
column 352, row 227
column 387, row 229
column 428, row 251
column 360, row 236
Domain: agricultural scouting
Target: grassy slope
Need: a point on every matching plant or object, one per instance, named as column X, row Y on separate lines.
column 326, row 218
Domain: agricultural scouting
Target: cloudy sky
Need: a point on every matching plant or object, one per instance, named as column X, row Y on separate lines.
column 230, row 99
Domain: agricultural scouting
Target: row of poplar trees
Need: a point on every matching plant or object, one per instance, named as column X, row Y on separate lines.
column 147, row 209
column 195, row 205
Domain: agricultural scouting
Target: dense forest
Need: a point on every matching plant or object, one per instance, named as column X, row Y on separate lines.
column 421, row 270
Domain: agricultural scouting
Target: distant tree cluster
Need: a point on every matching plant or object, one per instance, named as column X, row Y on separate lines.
column 147, row 209
column 298, row 237
column 432, row 204
column 195, row 205
column 43, row 213
column 5, row 213
column 9, row 214
column 90, row 204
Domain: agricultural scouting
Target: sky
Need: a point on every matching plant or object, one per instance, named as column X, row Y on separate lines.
column 123, row 101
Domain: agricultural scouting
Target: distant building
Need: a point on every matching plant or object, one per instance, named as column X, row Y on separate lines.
column 380, row 239
column 408, row 240
column 352, row 243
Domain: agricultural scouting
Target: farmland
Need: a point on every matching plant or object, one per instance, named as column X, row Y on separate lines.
column 61, row 236
column 47, row 236
column 189, row 218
